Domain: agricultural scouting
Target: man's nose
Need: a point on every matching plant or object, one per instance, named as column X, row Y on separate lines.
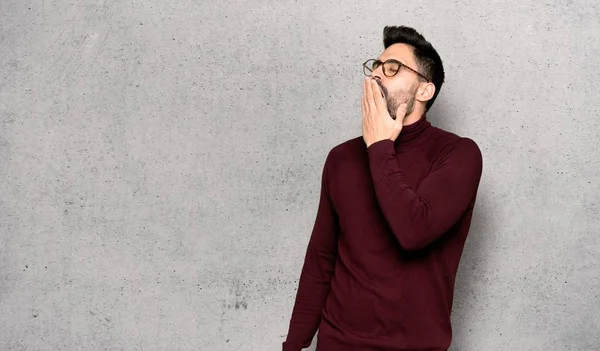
column 377, row 73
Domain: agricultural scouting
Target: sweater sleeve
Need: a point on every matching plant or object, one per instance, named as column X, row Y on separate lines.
column 317, row 272
column 419, row 216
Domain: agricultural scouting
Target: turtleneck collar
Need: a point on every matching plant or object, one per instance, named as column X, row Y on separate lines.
column 410, row 133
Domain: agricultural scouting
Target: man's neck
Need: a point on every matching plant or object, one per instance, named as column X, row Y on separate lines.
column 413, row 117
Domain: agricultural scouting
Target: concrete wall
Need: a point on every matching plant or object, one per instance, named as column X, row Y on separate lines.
column 160, row 165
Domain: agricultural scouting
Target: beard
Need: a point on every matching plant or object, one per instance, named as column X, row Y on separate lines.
column 398, row 98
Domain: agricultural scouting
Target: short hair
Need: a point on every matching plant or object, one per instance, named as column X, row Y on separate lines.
column 428, row 61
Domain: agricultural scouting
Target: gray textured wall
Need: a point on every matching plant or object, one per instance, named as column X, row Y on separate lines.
column 160, row 165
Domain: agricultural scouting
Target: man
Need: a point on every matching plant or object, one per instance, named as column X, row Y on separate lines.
column 394, row 212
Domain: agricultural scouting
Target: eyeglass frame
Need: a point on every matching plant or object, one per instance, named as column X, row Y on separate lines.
column 382, row 64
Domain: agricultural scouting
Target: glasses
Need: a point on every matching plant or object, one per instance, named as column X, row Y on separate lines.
column 390, row 68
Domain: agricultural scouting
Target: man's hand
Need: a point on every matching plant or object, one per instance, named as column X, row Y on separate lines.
column 377, row 122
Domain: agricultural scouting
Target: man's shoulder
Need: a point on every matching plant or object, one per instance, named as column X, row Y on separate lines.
column 458, row 147
column 345, row 152
column 351, row 145
column 440, row 142
column 446, row 140
column 348, row 148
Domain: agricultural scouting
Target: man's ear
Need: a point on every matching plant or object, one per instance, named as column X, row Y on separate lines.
column 426, row 92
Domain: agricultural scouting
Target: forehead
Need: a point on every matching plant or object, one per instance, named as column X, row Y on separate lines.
column 399, row 51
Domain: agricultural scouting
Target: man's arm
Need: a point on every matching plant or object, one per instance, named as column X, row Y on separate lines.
column 317, row 271
column 419, row 216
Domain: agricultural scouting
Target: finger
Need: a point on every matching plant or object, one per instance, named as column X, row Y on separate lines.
column 375, row 93
column 364, row 98
column 401, row 113
column 362, row 103
column 378, row 97
column 378, row 94
column 370, row 101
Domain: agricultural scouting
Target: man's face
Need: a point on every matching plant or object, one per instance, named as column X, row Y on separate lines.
column 402, row 87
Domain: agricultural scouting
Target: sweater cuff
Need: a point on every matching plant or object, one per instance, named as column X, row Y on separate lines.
column 382, row 147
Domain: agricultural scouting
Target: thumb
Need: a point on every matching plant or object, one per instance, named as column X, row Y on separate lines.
column 400, row 113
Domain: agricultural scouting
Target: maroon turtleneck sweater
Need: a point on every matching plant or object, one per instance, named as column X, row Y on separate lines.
column 390, row 228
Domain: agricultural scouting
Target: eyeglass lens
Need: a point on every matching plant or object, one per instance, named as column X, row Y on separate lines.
column 390, row 68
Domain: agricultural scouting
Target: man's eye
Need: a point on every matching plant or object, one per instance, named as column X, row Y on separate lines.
column 393, row 66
